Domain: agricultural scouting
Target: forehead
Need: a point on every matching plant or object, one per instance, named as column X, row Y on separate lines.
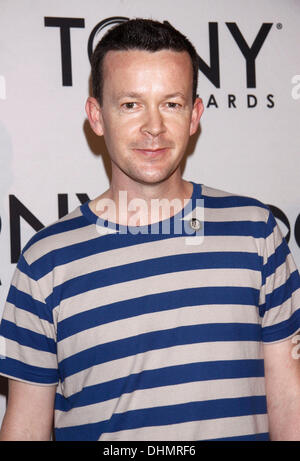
column 142, row 68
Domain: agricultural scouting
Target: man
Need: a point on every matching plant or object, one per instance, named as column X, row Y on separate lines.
column 171, row 318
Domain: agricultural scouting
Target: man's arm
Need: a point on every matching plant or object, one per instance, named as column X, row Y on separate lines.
column 282, row 372
column 29, row 414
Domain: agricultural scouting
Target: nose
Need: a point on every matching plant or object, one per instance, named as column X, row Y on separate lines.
column 153, row 123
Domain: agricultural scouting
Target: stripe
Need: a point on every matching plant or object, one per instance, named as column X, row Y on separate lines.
column 273, row 239
column 282, row 330
column 232, row 214
column 143, row 269
column 282, row 312
column 56, row 228
column 155, row 303
column 276, row 259
column 195, row 430
column 25, row 302
column 232, row 201
column 271, row 226
column 33, row 357
column 162, row 358
column 192, row 411
column 283, row 292
column 28, row 321
column 157, row 340
column 59, row 241
column 155, row 285
column 97, row 245
column 212, row 192
column 160, row 396
column 246, row 228
column 25, row 283
column 261, row 437
column 152, row 321
column 168, row 376
column 27, row 337
column 281, row 274
column 17, row 369
column 143, row 252
column 109, row 242
column 175, row 414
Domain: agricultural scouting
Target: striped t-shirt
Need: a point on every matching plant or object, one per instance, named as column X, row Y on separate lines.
column 151, row 335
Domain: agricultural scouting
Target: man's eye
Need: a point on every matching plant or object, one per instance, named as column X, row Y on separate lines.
column 129, row 105
column 173, row 105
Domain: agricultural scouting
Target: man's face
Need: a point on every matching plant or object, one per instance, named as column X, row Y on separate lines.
column 147, row 115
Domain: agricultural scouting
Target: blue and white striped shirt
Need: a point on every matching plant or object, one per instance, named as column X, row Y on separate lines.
column 148, row 337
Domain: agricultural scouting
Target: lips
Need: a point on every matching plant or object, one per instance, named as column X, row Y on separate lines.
column 152, row 152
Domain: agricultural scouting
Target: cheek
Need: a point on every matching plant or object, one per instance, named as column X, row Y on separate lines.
column 117, row 138
column 181, row 120
column 121, row 127
column 180, row 129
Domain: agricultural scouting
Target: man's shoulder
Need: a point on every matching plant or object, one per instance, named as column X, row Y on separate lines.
column 56, row 235
column 236, row 204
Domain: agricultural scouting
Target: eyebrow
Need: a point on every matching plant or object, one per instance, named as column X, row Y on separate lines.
column 133, row 94
column 175, row 95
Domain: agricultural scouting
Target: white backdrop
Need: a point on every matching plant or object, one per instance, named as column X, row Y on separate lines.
column 249, row 137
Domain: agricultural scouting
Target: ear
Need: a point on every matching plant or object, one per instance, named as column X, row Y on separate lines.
column 94, row 113
column 198, row 109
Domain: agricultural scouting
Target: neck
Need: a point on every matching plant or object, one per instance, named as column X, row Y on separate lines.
column 138, row 204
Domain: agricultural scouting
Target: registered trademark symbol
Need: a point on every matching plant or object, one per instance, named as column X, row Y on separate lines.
column 279, row 25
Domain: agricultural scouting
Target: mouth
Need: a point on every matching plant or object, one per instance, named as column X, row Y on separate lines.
column 152, row 152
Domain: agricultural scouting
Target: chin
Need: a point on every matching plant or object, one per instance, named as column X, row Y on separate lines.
column 153, row 179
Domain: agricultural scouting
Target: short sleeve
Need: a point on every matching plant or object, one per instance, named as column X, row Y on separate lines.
column 280, row 292
column 27, row 332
